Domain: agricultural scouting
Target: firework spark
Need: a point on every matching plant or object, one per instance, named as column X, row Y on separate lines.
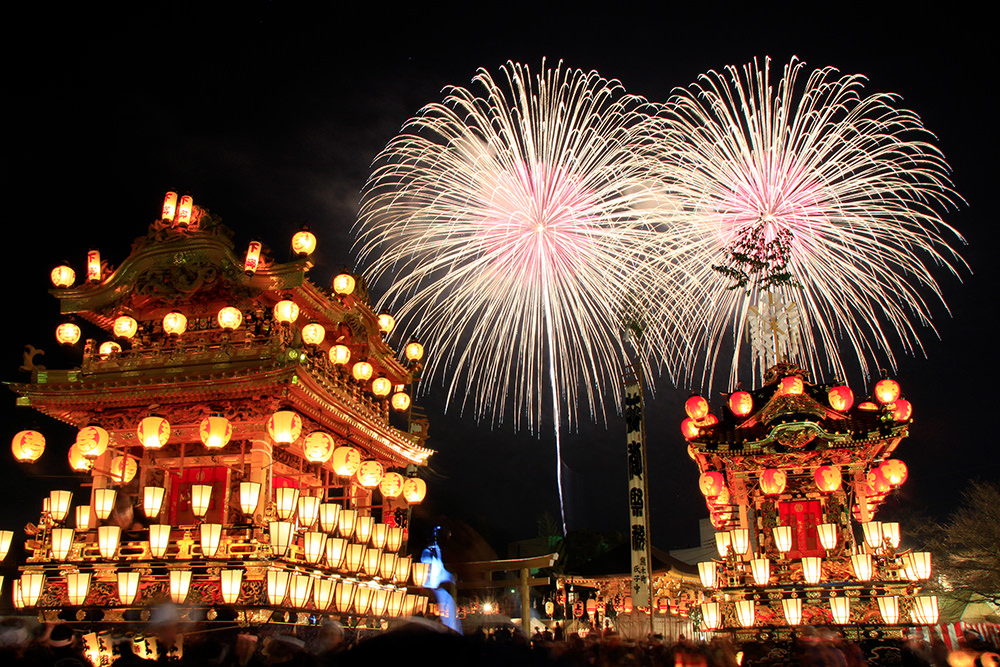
column 511, row 223
column 817, row 194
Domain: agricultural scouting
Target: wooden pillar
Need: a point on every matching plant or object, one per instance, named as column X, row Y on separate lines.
column 525, row 603
column 261, row 456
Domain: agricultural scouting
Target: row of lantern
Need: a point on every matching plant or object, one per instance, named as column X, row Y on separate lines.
column 840, row 398
column 303, row 591
column 773, row 481
column 924, row 610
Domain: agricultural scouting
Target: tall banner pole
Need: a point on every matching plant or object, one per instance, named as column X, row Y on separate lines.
column 638, row 491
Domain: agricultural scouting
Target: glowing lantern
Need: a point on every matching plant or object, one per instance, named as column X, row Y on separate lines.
column 878, row 482
column 380, row 598
column 740, row 540
column 363, row 528
column 328, row 515
column 354, row 555
column 285, row 500
column 370, row 474
column 335, row 547
column 303, row 242
column 284, row 427
column 402, row 571
column 888, row 607
column 381, row 386
column 6, row 536
column 380, row 532
column 184, row 212
column 363, row 599
column 761, row 570
column 31, row 588
column 340, row 355
column 252, row 261
column 373, row 557
column 108, row 348
column 201, row 497
column 812, row 569
column 286, row 311
column 67, row 333
column 215, row 431
column 862, row 566
column 391, row 485
column 886, row 391
column 740, row 403
column 903, row 410
column 277, row 586
column 627, row 605
column 841, row 398
column 175, row 323
column 413, row 351
column 346, row 522
column 827, row 478
column 313, row 544
column 62, row 542
column 211, row 537
column 343, row 284
column 346, row 461
column 362, row 371
column 153, row 432
column 27, row 446
column 420, row 572
column 318, row 447
column 841, row 609
column 125, row 327
column 772, row 481
column 94, row 266
column 92, row 441
column 894, row 471
column 123, row 469
column 345, row 595
column 711, row 483
column 281, row 537
column 707, row 421
column 108, row 538
column 707, row 572
column 323, row 593
column 689, row 429
column 394, row 539
column 386, row 323
column 313, row 334
column 159, row 539
column 82, row 518
column 745, row 613
column 128, row 586
column 63, row 276
column 873, row 533
column 308, row 510
column 249, row 496
column 890, row 533
column 867, row 406
column 925, row 609
column 696, row 407
column 827, row 535
column 782, row 538
column 792, row 608
column 152, row 501
column 104, row 502
column 414, row 490
column 919, row 562
column 230, row 318
column 791, row 386
column 723, row 541
column 230, row 582
column 400, row 401
column 180, row 582
column 169, row 207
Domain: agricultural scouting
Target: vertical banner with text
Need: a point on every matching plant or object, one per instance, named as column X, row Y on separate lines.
column 635, row 443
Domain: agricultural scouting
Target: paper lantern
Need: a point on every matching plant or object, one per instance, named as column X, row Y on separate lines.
column 303, row 242
column 841, row 609
column 772, row 481
column 328, row 515
column 886, row 391
column 63, row 276
column 313, row 334
column 169, row 207
column 380, row 533
column 707, row 572
column 370, row 474
column 711, row 483
column 174, row 323
column 104, row 502
column 153, row 432
column 414, row 490
column 890, row 533
column 812, row 569
column 308, row 511
column 841, row 398
column 62, row 542
column 125, row 327
column 184, row 210
column 792, row 608
column 94, row 266
column 323, row 590
column 201, row 497
column 400, row 401
column 791, row 386
column 379, row 601
column 230, row 318
column 925, row 609
column 335, row 547
column 313, row 544
column 92, row 441
column 689, row 429
column 362, row 371
column 59, row 502
column 343, row 284
column 381, row 386
column 123, row 469
column 387, row 566
column 281, row 533
column 873, row 534
column 318, row 447
column 230, row 582
column 128, row 586
column 340, row 355
column 894, row 471
column 31, row 588
column 363, row 526
column 827, row 478
column 252, row 261
column 27, row 446
column 740, row 540
column 760, row 568
column 67, row 333
column 345, row 523
column 152, row 501
column 363, row 599
column 284, row 427
column 420, row 572
column 373, row 557
column 862, row 566
column 211, row 537
column 345, row 595
column 108, row 348
column 827, row 535
column 354, row 556
column 215, row 431
column 286, row 311
column 386, row 323
column 723, row 542
column 696, row 407
column 710, row 615
column 249, row 496
column 277, row 586
column 413, row 351
column 180, row 583
column 919, row 563
column 78, row 587
column 394, row 539
column 78, row 461
column 888, row 607
column 903, row 410
column 391, row 485
column 285, row 501
column 82, row 517
column 740, row 403
column 402, row 571
column 746, row 613
column 108, row 538
column 782, row 538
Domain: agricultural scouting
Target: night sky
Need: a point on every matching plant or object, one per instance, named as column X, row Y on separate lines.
column 270, row 115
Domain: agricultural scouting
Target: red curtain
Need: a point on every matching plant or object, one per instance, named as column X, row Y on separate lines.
column 803, row 516
column 180, row 494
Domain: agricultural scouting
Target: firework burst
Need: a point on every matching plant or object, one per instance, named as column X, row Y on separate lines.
column 510, row 222
column 817, row 194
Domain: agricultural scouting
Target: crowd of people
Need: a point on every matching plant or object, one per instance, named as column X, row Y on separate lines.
column 420, row 641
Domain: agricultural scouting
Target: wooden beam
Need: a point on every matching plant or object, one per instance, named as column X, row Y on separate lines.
column 503, row 583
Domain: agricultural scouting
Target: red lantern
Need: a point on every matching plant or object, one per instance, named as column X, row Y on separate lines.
column 711, row 483
column 841, row 398
column 894, row 471
column 903, row 410
column 867, row 406
column 318, row 447
column 791, row 386
column 886, row 391
column 772, row 481
column 741, row 403
column 28, row 446
column 689, row 428
column 709, row 420
column 877, row 481
column 828, row 478
column 391, row 485
column 696, row 407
